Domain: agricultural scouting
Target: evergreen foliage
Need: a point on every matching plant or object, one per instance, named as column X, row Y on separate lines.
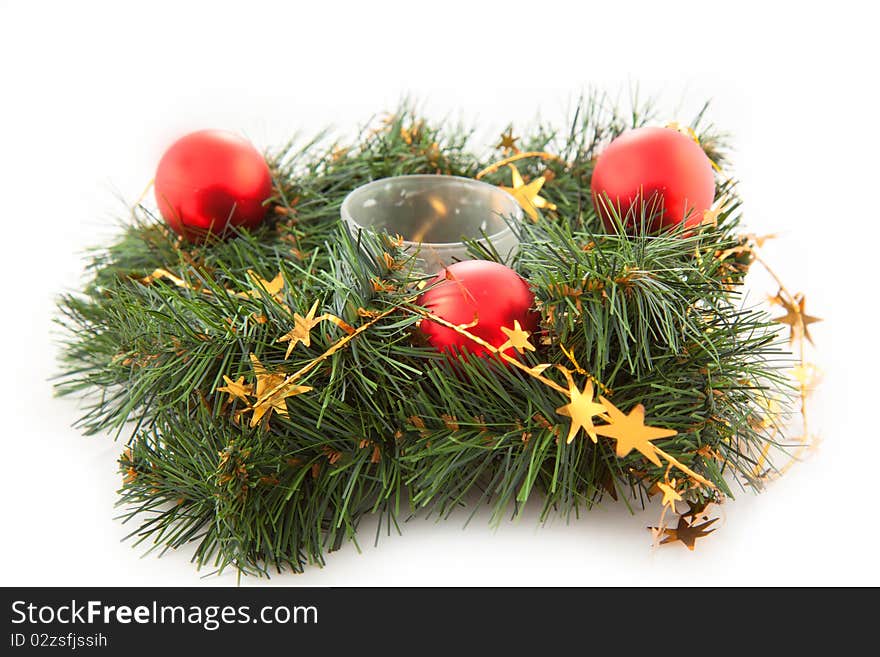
column 391, row 426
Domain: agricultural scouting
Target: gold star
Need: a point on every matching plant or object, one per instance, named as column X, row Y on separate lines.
column 265, row 379
column 236, row 389
column 796, row 319
column 686, row 533
column 527, row 194
column 697, row 509
column 806, row 375
column 630, row 431
column 710, row 217
column 275, row 402
column 272, row 287
column 301, row 329
column 267, row 382
column 516, row 338
column 508, row 141
column 582, row 409
column 670, row 495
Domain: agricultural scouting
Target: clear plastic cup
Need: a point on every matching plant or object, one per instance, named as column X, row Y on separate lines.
column 435, row 214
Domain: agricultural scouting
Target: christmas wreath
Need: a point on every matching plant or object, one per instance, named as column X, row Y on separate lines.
column 279, row 373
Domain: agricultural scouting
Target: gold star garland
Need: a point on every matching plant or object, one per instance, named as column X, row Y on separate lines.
column 806, row 374
column 301, row 331
column 272, row 288
column 282, row 384
column 271, row 389
column 628, row 429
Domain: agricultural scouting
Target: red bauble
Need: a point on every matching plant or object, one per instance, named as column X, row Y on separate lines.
column 645, row 167
column 493, row 294
column 211, row 180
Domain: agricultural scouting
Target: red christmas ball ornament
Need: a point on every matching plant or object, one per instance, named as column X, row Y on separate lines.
column 210, row 180
column 494, row 295
column 658, row 169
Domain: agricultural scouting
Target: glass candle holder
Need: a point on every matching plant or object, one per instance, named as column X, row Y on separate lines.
column 434, row 215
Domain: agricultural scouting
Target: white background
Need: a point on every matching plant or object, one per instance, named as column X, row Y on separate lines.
column 91, row 93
